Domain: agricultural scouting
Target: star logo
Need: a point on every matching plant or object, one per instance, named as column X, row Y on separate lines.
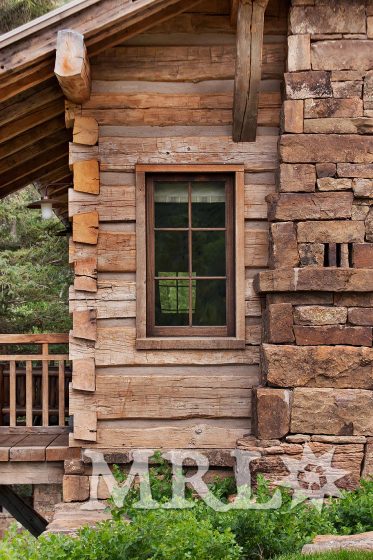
column 312, row 477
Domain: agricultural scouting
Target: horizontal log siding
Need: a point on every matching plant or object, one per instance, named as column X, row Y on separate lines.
column 166, row 97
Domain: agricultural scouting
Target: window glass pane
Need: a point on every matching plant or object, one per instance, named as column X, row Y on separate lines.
column 208, row 204
column 171, row 252
column 210, row 303
column 171, row 204
column 208, row 253
column 172, row 302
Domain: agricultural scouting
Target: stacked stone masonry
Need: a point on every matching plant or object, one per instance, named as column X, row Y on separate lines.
column 317, row 355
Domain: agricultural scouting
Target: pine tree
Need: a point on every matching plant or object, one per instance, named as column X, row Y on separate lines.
column 17, row 12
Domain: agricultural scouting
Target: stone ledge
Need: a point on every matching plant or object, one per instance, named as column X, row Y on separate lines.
column 312, row 279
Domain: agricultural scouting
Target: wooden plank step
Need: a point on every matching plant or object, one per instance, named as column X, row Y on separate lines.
column 7, row 441
column 59, row 449
column 32, row 448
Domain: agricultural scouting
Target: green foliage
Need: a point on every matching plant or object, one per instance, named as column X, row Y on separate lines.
column 200, row 533
column 354, row 512
column 34, row 271
column 17, row 12
column 158, row 535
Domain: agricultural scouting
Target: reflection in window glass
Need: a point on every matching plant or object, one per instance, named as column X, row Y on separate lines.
column 210, row 303
column 208, row 204
column 171, row 205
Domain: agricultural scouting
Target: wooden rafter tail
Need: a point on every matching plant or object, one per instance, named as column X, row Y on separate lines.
column 72, row 67
column 249, row 46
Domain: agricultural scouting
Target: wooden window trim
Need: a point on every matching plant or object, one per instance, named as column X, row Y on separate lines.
column 144, row 342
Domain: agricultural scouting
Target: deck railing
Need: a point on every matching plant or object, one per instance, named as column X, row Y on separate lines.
column 33, row 381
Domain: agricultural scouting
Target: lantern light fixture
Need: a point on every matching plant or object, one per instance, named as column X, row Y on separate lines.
column 46, row 204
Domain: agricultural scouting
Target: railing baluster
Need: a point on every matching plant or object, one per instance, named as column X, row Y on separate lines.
column 28, row 393
column 61, row 393
column 1, row 393
column 45, row 386
column 12, row 394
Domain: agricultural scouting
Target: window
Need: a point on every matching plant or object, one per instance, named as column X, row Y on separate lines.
column 190, row 264
column 190, row 250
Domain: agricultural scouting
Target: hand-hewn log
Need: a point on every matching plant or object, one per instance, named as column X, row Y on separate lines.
column 72, row 66
column 249, row 44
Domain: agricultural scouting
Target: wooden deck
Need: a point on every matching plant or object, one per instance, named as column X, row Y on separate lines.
column 34, row 457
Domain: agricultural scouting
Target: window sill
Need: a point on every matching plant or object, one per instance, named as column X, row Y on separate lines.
column 200, row 343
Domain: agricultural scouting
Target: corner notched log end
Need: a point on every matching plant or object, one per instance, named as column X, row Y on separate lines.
column 249, row 41
column 72, row 67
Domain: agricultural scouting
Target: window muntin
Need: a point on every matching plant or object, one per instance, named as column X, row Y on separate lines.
column 190, row 255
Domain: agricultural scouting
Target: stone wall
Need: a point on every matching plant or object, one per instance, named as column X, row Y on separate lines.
column 317, row 356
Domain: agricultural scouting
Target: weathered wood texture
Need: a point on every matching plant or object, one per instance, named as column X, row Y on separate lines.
column 166, row 97
column 72, row 67
column 250, row 25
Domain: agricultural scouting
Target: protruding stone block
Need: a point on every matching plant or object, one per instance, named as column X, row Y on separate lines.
column 328, row 17
column 363, row 188
column 283, row 243
column 75, row 488
column 305, row 85
column 361, row 316
column 279, row 323
column 314, row 279
column 328, row 108
column 333, row 411
column 299, row 52
column 363, row 255
column 337, row 231
column 319, row 315
column 342, row 54
column 333, row 334
column 339, row 148
column 309, row 206
column 331, row 184
column 325, row 170
column 311, row 254
column 297, row 178
column 341, row 367
column 272, row 407
column 355, row 170
column 293, row 116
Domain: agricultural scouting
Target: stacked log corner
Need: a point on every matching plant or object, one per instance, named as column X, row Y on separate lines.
column 85, row 231
column 317, row 355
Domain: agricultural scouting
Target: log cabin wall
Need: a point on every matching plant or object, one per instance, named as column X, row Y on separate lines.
column 165, row 96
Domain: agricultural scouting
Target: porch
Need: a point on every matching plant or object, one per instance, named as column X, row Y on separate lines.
column 35, row 373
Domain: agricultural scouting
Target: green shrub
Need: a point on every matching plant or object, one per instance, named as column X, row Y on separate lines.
column 353, row 513
column 158, row 535
column 200, row 533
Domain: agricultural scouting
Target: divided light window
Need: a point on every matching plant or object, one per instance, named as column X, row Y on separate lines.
column 190, row 255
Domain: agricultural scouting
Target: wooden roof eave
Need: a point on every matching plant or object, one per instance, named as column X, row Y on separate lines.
column 27, row 53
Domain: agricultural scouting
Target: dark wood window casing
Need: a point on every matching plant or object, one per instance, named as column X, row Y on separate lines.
column 189, row 281
column 190, row 269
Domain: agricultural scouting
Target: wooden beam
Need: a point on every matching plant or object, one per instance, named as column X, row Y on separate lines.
column 249, row 45
column 103, row 23
column 72, row 67
column 22, row 512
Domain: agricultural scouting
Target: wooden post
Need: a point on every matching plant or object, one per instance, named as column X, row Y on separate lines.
column 72, row 66
column 12, row 394
column 249, row 45
column 45, row 386
column 29, row 393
